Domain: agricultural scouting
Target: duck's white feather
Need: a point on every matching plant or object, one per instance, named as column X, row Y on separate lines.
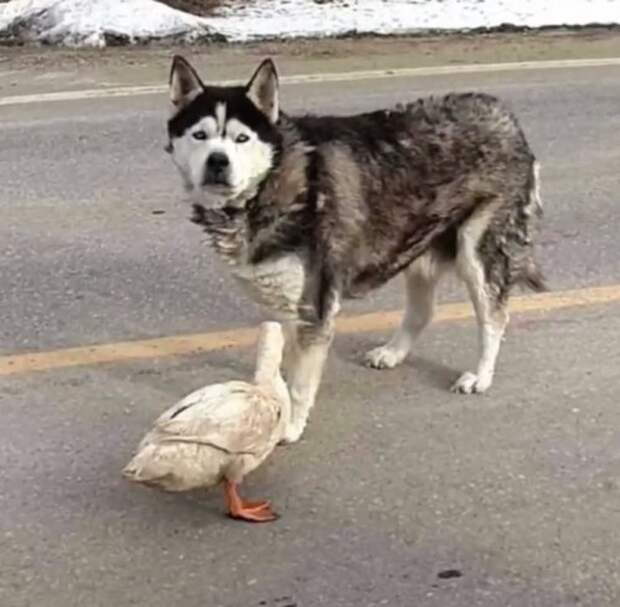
column 236, row 417
column 221, row 430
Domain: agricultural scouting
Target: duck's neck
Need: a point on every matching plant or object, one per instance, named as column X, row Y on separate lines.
column 268, row 363
column 267, row 375
column 273, row 381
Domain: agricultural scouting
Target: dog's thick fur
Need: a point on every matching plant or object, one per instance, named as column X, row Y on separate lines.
column 336, row 206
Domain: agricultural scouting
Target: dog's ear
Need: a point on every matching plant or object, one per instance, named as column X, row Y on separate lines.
column 263, row 90
column 185, row 84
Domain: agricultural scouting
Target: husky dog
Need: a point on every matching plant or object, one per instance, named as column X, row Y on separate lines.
column 310, row 210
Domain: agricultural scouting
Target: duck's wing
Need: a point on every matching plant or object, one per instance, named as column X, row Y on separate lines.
column 235, row 417
column 198, row 403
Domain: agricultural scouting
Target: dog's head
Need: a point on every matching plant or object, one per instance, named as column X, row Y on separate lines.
column 223, row 139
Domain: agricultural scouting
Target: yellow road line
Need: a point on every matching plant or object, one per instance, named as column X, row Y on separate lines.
column 217, row 340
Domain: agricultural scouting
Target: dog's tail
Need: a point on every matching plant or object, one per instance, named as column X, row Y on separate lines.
column 535, row 199
column 532, row 276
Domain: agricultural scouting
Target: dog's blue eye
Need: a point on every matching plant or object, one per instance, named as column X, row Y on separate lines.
column 200, row 135
column 242, row 138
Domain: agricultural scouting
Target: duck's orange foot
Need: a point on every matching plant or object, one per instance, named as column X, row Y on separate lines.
column 253, row 512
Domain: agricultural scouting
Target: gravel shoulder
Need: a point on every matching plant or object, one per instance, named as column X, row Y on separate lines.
column 31, row 70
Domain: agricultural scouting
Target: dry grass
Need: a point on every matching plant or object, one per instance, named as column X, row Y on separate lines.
column 206, row 7
column 202, row 8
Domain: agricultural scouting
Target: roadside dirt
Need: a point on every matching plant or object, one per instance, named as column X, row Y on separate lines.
column 32, row 69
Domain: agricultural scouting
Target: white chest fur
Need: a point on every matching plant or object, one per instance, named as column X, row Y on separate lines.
column 277, row 284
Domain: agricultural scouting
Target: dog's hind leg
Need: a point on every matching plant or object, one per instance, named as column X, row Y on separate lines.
column 488, row 298
column 421, row 278
column 494, row 253
column 306, row 352
column 492, row 318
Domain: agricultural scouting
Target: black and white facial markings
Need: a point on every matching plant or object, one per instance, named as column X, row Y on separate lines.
column 223, row 140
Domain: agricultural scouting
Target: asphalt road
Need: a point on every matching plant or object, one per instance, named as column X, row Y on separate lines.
column 396, row 480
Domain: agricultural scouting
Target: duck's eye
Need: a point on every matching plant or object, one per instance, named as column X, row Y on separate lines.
column 200, row 135
column 242, row 138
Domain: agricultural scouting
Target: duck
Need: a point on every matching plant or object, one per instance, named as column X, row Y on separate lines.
column 220, row 433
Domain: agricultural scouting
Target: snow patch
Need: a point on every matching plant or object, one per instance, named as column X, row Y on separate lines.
column 101, row 22
column 292, row 18
column 97, row 22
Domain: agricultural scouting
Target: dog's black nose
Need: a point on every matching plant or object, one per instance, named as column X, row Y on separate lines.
column 217, row 162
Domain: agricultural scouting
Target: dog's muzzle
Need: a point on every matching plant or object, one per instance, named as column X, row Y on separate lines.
column 216, row 170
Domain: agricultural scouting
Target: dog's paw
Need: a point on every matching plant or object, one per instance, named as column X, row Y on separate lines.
column 470, row 383
column 383, row 358
column 292, row 433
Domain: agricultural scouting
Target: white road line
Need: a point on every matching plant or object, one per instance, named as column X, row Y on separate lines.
column 157, row 89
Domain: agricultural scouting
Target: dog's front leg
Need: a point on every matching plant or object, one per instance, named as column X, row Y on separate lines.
column 306, row 353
